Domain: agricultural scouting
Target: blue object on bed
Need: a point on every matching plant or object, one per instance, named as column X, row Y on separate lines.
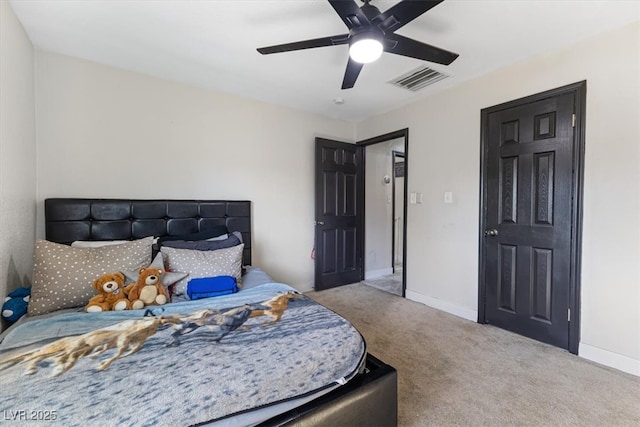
column 207, row 287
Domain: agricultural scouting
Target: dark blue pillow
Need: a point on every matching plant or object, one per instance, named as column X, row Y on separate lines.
column 210, row 233
column 234, row 239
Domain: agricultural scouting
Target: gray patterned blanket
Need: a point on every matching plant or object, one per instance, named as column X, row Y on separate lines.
column 181, row 364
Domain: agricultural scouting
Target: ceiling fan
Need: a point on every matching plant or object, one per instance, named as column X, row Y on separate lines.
column 370, row 33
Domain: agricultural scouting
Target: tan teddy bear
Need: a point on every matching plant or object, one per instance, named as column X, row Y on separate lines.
column 148, row 289
column 111, row 295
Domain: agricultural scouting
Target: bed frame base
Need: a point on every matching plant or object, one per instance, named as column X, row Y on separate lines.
column 369, row 399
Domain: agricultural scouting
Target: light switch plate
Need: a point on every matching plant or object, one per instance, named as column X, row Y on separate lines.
column 448, row 197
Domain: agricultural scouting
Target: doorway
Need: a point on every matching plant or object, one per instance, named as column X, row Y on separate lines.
column 384, row 218
column 398, row 162
column 531, row 211
column 341, row 212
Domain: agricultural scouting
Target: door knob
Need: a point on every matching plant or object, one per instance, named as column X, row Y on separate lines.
column 491, row 232
column 319, row 222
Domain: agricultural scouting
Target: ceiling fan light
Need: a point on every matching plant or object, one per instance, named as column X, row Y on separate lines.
column 365, row 50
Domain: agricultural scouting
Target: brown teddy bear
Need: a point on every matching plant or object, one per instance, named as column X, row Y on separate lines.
column 148, row 289
column 111, row 295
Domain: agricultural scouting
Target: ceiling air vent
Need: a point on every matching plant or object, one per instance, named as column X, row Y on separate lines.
column 418, row 78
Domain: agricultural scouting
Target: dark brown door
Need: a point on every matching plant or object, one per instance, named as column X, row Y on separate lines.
column 528, row 217
column 339, row 203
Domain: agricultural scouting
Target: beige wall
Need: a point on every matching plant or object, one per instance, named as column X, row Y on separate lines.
column 17, row 153
column 104, row 132
column 444, row 156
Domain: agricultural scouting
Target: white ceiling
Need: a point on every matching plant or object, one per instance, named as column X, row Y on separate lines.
column 212, row 43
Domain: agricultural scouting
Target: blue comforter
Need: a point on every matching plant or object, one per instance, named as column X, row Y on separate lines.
column 183, row 364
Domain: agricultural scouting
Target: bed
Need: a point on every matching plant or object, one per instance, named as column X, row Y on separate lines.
column 265, row 355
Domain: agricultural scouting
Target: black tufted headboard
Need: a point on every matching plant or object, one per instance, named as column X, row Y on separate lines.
column 70, row 219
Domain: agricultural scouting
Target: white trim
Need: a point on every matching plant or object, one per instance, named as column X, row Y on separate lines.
column 442, row 305
column 304, row 289
column 609, row 358
column 378, row 273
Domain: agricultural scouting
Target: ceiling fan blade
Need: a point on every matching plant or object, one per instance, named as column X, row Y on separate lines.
column 351, row 74
column 350, row 13
column 402, row 13
column 405, row 46
column 305, row 44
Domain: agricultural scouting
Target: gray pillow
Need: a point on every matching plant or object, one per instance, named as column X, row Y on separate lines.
column 233, row 239
column 63, row 275
column 223, row 262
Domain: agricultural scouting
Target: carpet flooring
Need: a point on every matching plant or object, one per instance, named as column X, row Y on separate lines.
column 454, row 372
column 391, row 283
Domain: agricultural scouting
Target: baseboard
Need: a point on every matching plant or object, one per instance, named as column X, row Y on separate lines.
column 609, row 358
column 377, row 273
column 445, row 306
column 594, row 354
column 304, row 287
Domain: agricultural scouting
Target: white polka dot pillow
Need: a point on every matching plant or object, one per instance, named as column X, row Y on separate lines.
column 63, row 275
column 221, row 262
